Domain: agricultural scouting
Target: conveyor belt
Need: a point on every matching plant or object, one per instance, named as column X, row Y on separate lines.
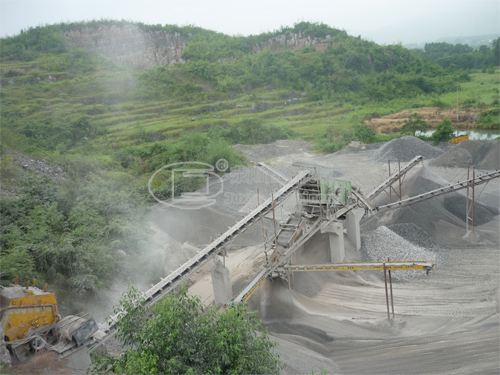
column 164, row 286
column 257, row 280
column 481, row 179
column 363, row 266
column 384, row 185
column 269, row 168
column 260, row 277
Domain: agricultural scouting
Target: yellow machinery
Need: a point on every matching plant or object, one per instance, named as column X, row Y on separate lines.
column 362, row 266
column 31, row 322
column 247, row 292
column 459, row 139
column 24, row 310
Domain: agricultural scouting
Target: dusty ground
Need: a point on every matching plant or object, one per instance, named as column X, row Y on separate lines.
column 445, row 323
column 467, row 118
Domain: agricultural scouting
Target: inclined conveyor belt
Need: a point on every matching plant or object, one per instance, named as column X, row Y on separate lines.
column 259, row 278
column 267, row 270
column 166, row 284
column 481, row 179
column 269, row 168
column 394, row 177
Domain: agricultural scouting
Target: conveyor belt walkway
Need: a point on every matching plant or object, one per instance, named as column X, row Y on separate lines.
column 169, row 282
column 259, row 278
column 360, row 266
column 481, row 179
column 266, row 271
column 394, row 177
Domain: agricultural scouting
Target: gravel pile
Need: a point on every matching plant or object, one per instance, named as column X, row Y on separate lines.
column 414, row 234
column 482, row 154
column 487, row 156
column 405, row 149
column 383, row 243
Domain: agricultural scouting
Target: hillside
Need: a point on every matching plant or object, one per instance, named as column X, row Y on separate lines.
column 109, row 102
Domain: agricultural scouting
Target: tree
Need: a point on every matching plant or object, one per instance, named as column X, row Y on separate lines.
column 444, row 132
column 364, row 133
column 180, row 336
column 414, row 124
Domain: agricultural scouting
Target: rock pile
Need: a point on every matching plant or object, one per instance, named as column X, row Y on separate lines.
column 481, row 154
column 405, row 149
column 384, row 243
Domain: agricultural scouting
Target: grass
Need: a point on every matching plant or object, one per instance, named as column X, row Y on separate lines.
column 91, row 94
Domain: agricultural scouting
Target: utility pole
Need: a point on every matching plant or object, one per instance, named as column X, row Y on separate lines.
column 457, row 107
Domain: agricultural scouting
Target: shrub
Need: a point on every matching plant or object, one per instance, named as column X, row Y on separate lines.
column 364, row 133
column 437, row 102
column 184, row 337
column 414, row 124
column 444, row 132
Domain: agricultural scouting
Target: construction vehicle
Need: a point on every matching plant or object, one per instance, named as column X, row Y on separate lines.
column 31, row 323
column 459, row 138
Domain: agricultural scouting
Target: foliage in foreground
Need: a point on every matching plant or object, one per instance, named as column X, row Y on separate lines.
column 181, row 336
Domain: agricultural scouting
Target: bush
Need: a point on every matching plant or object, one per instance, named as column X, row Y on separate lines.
column 334, row 139
column 183, row 337
column 414, row 124
column 444, row 132
column 437, row 102
column 364, row 133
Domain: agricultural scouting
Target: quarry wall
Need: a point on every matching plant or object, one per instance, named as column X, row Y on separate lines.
column 293, row 41
column 131, row 46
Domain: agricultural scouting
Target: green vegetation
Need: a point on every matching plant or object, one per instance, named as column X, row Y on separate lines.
column 490, row 118
column 69, row 235
column 444, row 132
column 109, row 127
column 461, row 56
column 181, row 336
column 414, row 124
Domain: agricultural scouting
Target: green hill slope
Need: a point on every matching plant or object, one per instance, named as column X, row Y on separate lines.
column 110, row 126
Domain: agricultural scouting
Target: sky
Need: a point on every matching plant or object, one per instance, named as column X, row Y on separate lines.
column 382, row 21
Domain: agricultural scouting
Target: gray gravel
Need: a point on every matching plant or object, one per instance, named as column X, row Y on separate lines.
column 405, row 149
column 382, row 243
column 414, row 234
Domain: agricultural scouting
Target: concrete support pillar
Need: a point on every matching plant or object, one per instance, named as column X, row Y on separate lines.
column 352, row 224
column 293, row 260
column 221, row 281
column 335, row 233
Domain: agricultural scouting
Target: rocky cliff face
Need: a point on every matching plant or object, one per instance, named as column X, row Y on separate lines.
column 130, row 45
column 292, row 42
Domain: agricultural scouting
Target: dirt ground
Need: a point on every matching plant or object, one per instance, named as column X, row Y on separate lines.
column 444, row 323
column 467, row 118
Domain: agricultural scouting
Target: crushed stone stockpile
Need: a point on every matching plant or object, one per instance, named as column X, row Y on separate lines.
column 414, row 234
column 383, row 243
column 481, row 154
column 405, row 149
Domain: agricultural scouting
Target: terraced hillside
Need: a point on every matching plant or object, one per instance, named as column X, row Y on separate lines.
column 106, row 124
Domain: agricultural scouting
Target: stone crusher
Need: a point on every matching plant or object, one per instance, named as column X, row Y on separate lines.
column 31, row 323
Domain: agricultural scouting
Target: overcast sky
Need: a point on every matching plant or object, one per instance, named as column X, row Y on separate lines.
column 383, row 21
